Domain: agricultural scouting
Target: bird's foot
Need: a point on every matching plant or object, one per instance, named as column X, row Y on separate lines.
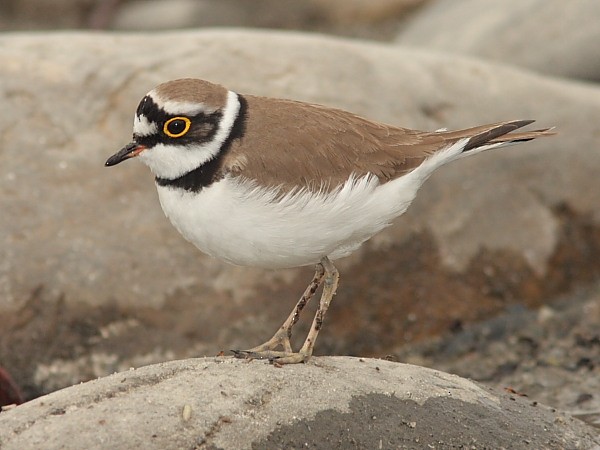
column 274, row 357
column 268, row 350
column 325, row 272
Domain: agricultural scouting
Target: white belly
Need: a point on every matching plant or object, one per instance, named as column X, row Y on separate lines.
column 238, row 222
column 244, row 225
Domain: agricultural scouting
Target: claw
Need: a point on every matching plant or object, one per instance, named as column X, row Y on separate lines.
column 274, row 357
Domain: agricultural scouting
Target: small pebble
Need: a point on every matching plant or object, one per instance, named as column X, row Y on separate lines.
column 187, row 412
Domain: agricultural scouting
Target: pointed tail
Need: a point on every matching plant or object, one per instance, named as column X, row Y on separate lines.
column 486, row 136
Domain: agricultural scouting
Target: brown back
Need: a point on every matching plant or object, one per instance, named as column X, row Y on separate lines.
column 290, row 144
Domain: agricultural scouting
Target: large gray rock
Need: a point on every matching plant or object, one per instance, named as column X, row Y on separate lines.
column 550, row 36
column 328, row 403
column 94, row 279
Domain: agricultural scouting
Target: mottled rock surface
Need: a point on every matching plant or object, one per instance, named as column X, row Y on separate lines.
column 329, row 403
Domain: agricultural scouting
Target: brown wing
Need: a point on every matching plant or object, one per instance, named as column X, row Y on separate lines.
column 290, row 144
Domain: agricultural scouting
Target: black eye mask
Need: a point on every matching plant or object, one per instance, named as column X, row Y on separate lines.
column 201, row 128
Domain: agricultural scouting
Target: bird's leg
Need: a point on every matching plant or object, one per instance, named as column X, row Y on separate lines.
column 332, row 278
column 284, row 333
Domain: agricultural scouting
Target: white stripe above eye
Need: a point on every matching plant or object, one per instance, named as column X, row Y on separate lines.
column 176, row 108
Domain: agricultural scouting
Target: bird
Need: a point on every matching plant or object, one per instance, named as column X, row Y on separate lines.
column 277, row 183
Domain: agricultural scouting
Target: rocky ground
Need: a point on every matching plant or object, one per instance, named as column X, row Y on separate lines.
column 550, row 355
column 492, row 274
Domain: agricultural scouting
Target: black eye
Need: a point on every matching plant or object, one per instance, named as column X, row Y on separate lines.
column 177, row 126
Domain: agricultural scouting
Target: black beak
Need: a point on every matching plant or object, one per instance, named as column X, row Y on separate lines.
column 129, row 151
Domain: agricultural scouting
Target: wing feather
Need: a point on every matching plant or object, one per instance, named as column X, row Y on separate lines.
column 291, row 144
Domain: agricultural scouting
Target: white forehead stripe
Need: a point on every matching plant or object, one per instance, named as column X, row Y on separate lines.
column 175, row 107
column 184, row 108
column 143, row 127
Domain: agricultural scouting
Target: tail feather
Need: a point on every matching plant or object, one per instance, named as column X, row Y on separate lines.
column 501, row 133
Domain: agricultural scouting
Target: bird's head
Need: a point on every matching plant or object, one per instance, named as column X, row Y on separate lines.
column 179, row 126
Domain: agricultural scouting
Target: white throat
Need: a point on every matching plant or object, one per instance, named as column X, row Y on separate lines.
column 171, row 162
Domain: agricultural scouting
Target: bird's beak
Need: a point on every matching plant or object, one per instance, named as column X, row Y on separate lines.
column 131, row 150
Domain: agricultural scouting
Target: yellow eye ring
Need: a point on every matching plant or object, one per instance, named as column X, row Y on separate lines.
column 177, row 126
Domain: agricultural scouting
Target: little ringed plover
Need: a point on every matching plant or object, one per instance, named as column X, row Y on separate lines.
column 275, row 183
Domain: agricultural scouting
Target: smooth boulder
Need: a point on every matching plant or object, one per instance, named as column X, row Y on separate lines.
column 549, row 36
column 327, row 403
